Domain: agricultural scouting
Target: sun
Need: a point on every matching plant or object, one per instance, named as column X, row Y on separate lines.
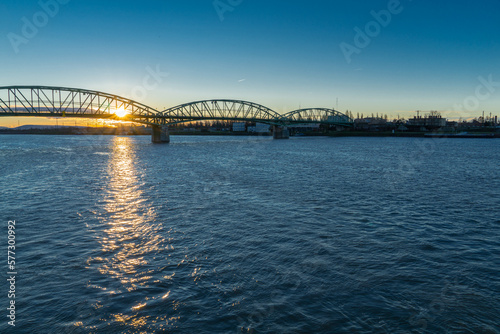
column 121, row 112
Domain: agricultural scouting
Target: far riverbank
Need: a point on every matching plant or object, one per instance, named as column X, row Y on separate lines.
column 145, row 131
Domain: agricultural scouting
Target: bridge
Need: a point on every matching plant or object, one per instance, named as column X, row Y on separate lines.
column 47, row 101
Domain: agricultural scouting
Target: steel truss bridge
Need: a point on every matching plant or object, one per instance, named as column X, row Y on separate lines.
column 45, row 101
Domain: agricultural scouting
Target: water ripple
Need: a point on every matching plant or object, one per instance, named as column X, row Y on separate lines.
column 221, row 234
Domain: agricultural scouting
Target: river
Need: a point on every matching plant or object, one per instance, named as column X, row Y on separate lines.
column 252, row 235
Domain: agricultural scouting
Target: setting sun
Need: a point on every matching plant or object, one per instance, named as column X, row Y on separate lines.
column 121, row 112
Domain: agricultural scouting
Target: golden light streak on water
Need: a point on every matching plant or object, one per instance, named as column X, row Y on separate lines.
column 138, row 307
column 127, row 224
column 130, row 233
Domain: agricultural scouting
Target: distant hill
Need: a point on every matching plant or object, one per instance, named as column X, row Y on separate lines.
column 31, row 127
column 75, row 130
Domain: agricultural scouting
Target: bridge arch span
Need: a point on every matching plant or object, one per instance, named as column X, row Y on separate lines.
column 49, row 101
column 227, row 110
column 317, row 115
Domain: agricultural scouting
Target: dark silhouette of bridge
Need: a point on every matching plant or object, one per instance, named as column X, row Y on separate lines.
column 45, row 101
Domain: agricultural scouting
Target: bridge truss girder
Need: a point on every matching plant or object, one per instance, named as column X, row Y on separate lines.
column 224, row 110
column 316, row 116
column 45, row 101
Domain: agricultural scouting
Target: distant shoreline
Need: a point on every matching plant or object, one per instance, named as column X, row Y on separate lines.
column 113, row 132
column 416, row 134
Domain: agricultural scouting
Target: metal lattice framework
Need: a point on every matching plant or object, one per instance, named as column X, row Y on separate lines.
column 317, row 115
column 227, row 110
column 45, row 101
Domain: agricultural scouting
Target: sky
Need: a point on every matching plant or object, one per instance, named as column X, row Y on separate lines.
column 387, row 57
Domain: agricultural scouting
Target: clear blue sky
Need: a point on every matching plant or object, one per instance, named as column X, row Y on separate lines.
column 283, row 54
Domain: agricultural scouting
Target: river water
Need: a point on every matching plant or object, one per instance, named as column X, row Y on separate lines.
column 252, row 235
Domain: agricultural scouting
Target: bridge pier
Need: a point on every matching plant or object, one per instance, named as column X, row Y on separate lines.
column 160, row 134
column 281, row 132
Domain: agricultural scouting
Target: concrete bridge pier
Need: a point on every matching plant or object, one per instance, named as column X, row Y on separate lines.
column 160, row 134
column 281, row 132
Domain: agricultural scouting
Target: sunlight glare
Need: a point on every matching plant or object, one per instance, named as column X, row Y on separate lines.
column 121, row 112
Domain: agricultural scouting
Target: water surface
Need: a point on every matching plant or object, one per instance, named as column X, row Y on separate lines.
column 250, row 234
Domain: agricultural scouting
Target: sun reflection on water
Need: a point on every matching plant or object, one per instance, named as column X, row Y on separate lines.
column 130, row 235
column 128, row 217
